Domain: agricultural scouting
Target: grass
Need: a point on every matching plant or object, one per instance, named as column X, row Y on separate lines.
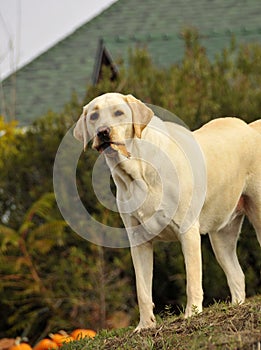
column 220, row 326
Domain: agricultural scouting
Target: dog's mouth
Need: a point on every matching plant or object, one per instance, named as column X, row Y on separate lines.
column 108, row 144
column 112, row 148
column 103, row 146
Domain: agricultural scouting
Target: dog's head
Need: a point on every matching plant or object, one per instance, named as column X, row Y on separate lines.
column 109, row 120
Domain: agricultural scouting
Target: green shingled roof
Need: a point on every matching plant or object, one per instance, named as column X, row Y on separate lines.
column 49, row 81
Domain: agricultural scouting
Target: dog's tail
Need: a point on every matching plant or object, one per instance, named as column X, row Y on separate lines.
column 256, row 125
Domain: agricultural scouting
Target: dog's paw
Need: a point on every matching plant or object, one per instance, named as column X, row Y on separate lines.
column 148, row 324
column 193, row 310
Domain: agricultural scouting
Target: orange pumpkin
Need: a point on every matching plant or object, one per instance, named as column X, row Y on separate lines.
column 59, row 339
column 20, row 346
column 45, row 344
column 82, row 333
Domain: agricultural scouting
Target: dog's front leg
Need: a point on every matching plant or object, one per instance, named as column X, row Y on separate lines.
column 142, row 257
column 191, row 247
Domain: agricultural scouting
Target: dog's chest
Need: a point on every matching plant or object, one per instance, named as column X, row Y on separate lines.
column 139, row 188
column 157, row 225
column 138, row 200
column 152, row 216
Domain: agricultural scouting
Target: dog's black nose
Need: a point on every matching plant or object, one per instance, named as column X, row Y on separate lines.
column 103, row 132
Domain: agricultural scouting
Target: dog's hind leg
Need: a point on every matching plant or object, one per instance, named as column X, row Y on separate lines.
column 253, row 189
column 253, row 212
column 224, row 244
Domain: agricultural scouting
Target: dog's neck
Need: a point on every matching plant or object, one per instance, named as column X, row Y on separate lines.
column 144, row 157
column 123, row 169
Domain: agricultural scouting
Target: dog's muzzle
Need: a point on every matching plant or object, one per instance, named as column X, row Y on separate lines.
column 105, row 144
column 103, row 133
column 104, row 140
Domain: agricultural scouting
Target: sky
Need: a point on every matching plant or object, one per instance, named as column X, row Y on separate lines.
column 30, row 27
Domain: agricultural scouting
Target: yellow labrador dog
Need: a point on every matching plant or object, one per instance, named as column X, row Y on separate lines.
column 156, row 174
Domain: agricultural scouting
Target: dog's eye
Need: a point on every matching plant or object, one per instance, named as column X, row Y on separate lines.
column 94, row 116
column 118, row 113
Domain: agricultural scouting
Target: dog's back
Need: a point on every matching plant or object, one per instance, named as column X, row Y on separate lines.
column 256, row 125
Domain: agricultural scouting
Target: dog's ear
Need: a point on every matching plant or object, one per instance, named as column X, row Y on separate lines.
column 141, row 114
column 80, row 131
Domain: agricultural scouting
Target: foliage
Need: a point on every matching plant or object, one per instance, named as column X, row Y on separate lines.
column 23, row 260
column 36, row 288
column 53, row 279
column 8, row 134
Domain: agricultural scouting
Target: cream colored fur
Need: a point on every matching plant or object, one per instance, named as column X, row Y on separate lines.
column 232, row 154
column 256, row 125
